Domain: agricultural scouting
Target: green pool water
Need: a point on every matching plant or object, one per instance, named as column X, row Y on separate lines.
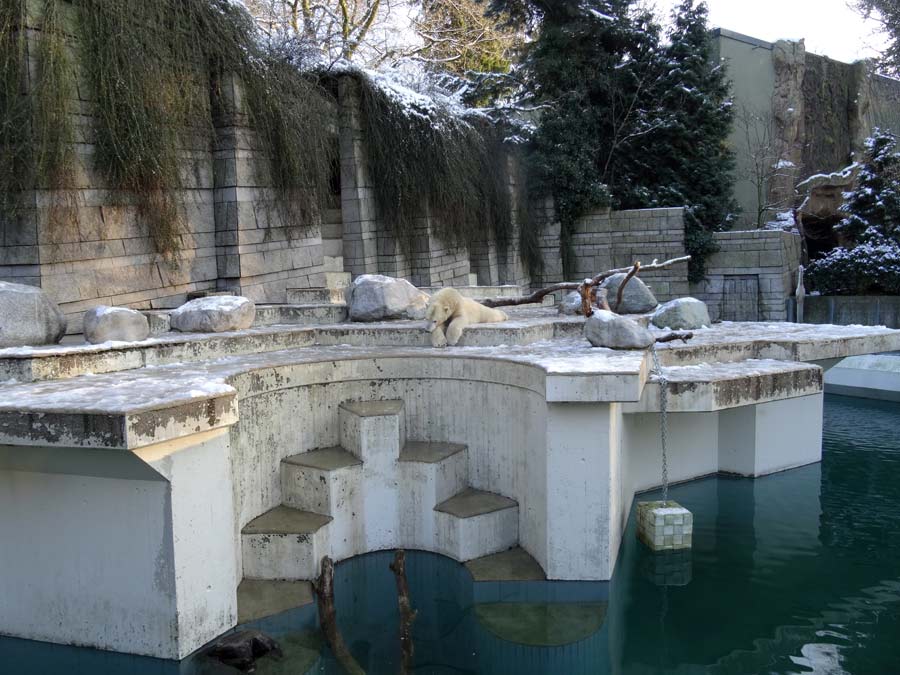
column 797, row 572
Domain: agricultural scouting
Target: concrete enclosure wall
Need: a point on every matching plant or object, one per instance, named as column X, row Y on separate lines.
column 797, row 114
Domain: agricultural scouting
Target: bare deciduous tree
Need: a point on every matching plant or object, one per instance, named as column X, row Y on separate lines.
column 768, row 161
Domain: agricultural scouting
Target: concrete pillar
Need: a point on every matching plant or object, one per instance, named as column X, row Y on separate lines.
column 358, row 205
column 756, row 440
column 582, row 468
column 119, row 550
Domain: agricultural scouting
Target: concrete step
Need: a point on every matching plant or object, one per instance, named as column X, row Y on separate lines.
column 332, row 216
column 322, row 481
column 315, row 296
column 337, row 279
column 430, row 473
column 373, row 430
column 284, row 543
column 333, row 264
column 475, row 523
column 300, row 315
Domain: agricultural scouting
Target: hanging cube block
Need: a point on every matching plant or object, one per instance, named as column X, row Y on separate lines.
column 664, row 526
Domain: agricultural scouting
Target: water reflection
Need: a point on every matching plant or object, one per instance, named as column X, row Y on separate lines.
column 793, row 573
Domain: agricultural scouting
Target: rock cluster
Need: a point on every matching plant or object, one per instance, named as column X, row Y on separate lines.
column 28, row 317
column 102, row 324
column 214, row 314
column 373, row 297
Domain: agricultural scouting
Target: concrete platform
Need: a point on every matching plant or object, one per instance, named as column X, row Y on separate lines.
column 172, row 463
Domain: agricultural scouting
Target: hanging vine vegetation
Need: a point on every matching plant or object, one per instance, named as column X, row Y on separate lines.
column 149, row 64
column 421, row 156
column 152, row 70
column 16, row 110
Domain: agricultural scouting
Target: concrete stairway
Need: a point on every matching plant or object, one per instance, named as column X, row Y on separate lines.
column 375, row 491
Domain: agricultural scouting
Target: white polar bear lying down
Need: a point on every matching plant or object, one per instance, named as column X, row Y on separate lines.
column 448, row 306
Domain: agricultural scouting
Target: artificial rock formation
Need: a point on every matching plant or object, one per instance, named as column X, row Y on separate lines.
column 681, row 314
column 103, row 324
column 607, row 329
column 214, row 314
column 636, row 299
column 28, row 317
column 374, row 297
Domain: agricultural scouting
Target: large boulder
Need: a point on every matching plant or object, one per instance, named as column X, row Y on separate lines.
column 636, row 299
column 681, row 314
column 607, row 329
column 570, row 305
column 28, row 317
column 214, row 314
column 103, row 324
column 373, row 297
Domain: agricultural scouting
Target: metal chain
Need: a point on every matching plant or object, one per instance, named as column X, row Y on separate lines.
column 663, row 419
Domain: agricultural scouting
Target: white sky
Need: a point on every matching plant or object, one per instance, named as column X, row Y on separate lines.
column 830, row 27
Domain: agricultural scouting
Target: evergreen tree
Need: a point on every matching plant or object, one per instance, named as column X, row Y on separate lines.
column 687, row 161
column 869, row 261
column 591, row 70
column 874, row 206
column 627, row 120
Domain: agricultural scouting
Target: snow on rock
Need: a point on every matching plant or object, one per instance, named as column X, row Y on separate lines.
column 119, row 324
column 636, row 299
column 681, row 314
column 215, row 314
column 28, row 317
column 606, row 329
column 374, row 297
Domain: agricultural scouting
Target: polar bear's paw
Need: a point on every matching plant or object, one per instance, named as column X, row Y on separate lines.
column 438, row 339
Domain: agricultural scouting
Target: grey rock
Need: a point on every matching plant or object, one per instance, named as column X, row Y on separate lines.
column 28, row 317
column 636, row 299
column 606, row 329
column 681, row 314
column 214, row 314
column 570, row 305
column 373, row 297
column 102, row 324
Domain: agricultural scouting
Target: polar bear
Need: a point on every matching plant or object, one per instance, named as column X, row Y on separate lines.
column 448, row 306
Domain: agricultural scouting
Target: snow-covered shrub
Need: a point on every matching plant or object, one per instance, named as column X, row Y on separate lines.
column 862, row 270
column 869, row 262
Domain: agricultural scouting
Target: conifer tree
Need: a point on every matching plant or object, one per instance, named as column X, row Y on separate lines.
column 591, row 72
column 687, row 161
column 874, row 205
column 869, row 260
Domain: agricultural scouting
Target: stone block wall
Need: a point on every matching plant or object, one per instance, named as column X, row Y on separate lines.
column 261, row 254
column 610, row 239
column 99, row 251
column 751, row 276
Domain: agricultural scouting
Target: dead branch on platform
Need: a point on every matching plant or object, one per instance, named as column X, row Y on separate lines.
column 324, row 587
column 539, row 295
column 407, row 613
column 671, row 337
column 628, row 277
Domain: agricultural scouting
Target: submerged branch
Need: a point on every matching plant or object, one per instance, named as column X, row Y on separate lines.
column 407, row 613
column 324, row 588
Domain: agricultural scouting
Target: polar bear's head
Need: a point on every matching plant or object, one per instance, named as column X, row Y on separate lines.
column 441, row 307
